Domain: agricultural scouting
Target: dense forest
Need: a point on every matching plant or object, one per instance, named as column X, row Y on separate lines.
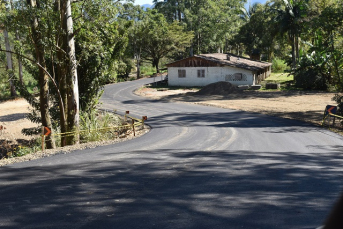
column 48, row 46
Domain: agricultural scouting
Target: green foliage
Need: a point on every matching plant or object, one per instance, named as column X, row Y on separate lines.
column 4, row 87
column 338, row 98
column 8, row 150
column 311, row 73
column 278, row 65
column 100, row 44
column 280, row 77
column 212, row 22
column 321, row 66
column 147, row 70
column 100, row 126
column 290, row 19
column 160, row 38
column 256, row 34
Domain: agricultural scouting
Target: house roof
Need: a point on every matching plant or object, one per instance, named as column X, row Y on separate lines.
column 221, row 59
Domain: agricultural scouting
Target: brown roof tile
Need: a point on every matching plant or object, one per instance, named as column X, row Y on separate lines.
column 223, row 59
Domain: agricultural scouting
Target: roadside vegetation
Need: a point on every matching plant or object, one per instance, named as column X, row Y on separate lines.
column 97, row 126
column 49, row 46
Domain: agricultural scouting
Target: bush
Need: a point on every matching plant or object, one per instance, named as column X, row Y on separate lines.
column 100, row 126
column 310, row 75
column 339, row 100
column 278, row 65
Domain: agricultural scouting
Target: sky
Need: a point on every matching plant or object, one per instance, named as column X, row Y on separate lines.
column 142, row 2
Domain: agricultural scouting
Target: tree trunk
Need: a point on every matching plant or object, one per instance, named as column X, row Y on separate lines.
column 293, row 52
column 20, row 65
column 72, row 79
column 9, row 66
column 43, row 77
column 67, row 74
column 61, row 70
column 296, row 48
column 138, row 57
column 155, row 64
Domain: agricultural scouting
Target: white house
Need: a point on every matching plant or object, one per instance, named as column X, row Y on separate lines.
column 201, row 70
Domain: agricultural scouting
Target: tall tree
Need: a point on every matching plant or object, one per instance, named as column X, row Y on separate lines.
column 38, row 42
column 67, row 72
column 135, row 15
column 9, row 59
column 213, row 22
column 162, row 38
column 290, row 19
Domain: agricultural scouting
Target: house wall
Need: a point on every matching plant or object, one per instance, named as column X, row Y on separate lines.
column 212, row 75
column 262, row 75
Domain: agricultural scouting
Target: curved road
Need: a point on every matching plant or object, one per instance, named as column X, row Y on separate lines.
column 199, row 167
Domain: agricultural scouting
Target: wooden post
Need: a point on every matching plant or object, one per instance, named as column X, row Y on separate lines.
column 143, row 119
column 126, row 113
column 133, row 127
column 43, row 139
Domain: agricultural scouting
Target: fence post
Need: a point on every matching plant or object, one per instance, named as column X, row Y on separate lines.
column 133, row 127
column 43, row 138
column 143, row 119
column 126, row 113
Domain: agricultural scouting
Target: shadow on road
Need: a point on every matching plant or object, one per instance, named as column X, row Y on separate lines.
column 174, row 189
column 237, row 119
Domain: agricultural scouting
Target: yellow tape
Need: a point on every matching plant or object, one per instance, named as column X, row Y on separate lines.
column 330, row 114
column 139, row 120
column 98, row 129
column 337, row 116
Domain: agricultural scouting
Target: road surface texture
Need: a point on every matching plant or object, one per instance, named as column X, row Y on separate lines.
column 199, row 167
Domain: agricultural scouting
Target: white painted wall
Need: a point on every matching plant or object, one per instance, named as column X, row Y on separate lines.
column 212, row 75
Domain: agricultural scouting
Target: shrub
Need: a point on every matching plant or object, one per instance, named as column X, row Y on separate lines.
column 278, row 65
column 311, row 74
column 100, row 126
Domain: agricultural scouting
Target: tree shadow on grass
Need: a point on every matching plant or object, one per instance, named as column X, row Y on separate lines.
column 173, row 189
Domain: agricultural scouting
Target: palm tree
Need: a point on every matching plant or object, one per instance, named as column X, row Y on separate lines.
column 247, row 13
column 290, row 20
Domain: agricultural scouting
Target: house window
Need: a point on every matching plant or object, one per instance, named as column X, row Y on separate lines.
column 182, row 73
column 236, row 77
column 201, row 73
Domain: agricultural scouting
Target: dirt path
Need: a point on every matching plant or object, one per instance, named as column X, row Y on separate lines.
column 305, row 106
column 12, row 117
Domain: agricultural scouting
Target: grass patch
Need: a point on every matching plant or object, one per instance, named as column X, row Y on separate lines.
column 100, row 126
column 279, row 78
column 284, row 79
column 147, row 70
column 279, row 65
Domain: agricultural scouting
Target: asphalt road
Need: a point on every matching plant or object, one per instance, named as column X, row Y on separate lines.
column 199, row 167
